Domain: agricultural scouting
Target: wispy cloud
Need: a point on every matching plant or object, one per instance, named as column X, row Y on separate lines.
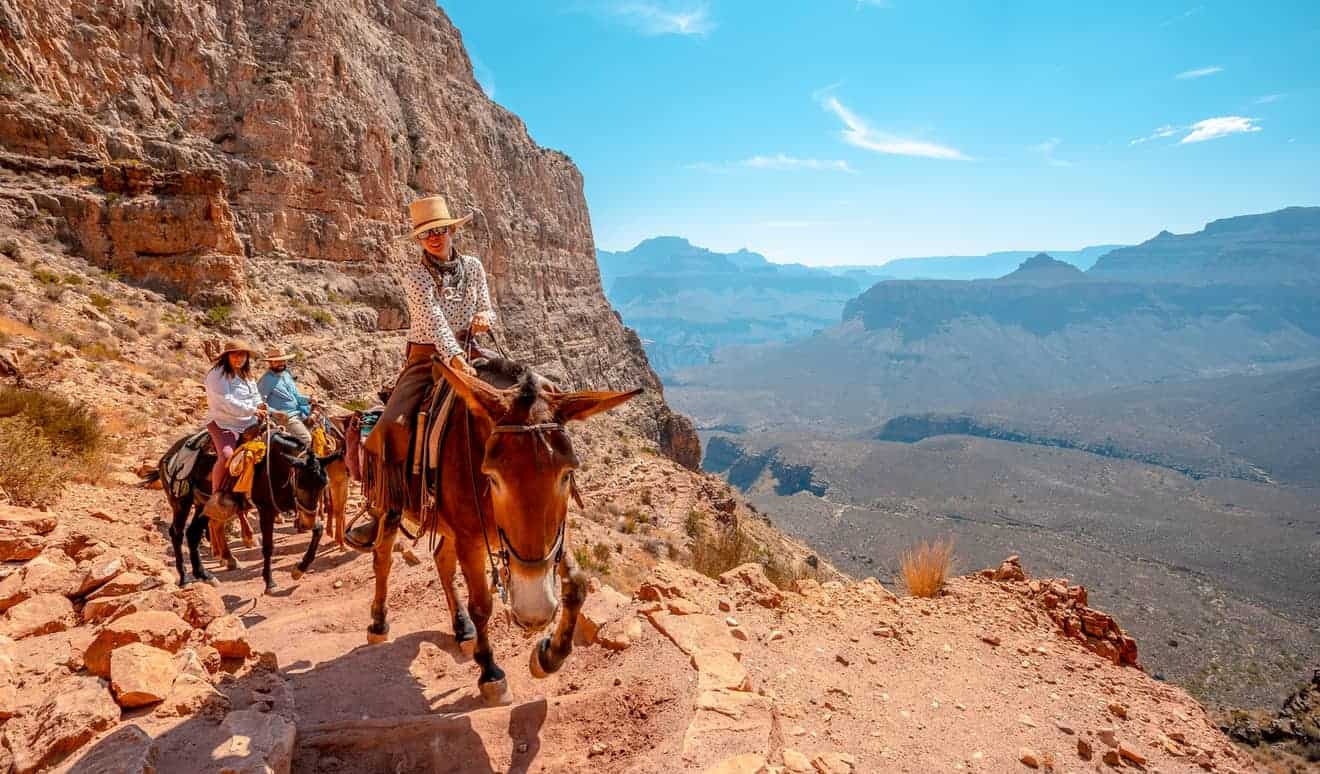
column 781, row 161
column 662, row 18
column 1200, row 72
column 1268, row 98
column 1046, row 149
column 1208, row 129
column 1190, row 12
column 1223, row 126
column 1168, row 130
column 778, row 161
column 859, row 133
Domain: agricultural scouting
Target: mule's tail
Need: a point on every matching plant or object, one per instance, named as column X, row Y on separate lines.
column 146, row 481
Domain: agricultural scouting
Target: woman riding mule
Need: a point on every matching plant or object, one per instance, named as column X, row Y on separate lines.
column 493, row 485
column 447, row 298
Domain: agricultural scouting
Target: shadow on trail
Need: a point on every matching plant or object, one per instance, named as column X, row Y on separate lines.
column 374, row 708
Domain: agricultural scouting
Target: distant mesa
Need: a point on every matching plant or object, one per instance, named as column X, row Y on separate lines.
column 1274, row 247
column 1042, row 268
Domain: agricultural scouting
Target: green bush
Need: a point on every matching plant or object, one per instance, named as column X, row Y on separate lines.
column 101, row 302
column 218, row 315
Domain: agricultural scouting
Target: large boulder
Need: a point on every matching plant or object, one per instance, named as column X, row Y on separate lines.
column 602, row 607
column 202, row 604
column 129, row 750
column 77, row 709
column 141, row 675
column 259, row 743
column 22, row 533
column 41, row 614
column 159, row 629
column 750, row 579
column 99, row 572
column 53, row 572
column 228, row 635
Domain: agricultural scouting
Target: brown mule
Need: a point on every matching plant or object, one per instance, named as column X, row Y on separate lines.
column 506, row 465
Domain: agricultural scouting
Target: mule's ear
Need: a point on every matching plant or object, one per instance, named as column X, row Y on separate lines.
column 480, row 397
column 297, row 462
column 571, row 406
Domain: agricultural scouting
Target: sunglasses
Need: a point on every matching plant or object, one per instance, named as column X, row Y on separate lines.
column 434, row 232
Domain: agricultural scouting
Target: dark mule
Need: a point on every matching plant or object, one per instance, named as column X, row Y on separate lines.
column 506, row 470
column 282, row 482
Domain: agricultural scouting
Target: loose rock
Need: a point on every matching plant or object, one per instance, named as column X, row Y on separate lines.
column 141, row 674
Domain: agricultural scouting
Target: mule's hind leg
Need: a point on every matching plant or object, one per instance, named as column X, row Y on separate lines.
column 492, row 682
column 381, row 560
column 196, row 527
column 549, row 653
column 337, row 472
column 177, row 525
column 446, row 564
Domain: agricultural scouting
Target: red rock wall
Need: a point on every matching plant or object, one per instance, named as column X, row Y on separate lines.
column 214, row 149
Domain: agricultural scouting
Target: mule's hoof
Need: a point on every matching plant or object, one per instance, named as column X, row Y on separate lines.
column 232, row 564
column 271, row 588
column 376, row 639
column 534, row 664
column 296, row 573
column 496, row 693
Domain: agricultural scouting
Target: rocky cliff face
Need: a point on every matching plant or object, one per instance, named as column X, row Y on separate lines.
column 255, row 159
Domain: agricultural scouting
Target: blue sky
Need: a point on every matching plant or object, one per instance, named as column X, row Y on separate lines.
column 856, row 131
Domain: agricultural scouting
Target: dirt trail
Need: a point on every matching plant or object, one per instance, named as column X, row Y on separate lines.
column 734, row 673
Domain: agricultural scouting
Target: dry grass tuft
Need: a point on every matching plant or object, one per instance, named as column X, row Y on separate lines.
column 926, row 567
column 45, row 441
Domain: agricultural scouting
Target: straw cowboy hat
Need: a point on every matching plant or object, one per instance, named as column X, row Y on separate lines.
column 235, row 345
column 275, row 353
column 432, row 212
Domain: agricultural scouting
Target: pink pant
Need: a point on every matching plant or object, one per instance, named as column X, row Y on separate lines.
column 225, row 443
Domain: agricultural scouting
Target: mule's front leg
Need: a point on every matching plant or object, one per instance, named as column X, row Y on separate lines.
column 266, row 516
column 492, row 682
column 550, row 652
column 382, row 558
column 310, row 553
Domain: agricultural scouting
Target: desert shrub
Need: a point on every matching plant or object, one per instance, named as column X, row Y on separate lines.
column 628, row 524
column 73, row 279
column 45, row 276
column 715, row 552
column 218, row 315
column 45, row 441
column 926, row 567
column 357, row 404
column 53, row 292
column 99, row 350
column 594, row 559
column 102, row 303
column 692, row 524
column 125, row 332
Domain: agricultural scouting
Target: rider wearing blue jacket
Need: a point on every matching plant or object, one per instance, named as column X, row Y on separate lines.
column 288, row 406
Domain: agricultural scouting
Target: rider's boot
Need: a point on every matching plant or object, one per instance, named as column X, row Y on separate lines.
column 364, row 535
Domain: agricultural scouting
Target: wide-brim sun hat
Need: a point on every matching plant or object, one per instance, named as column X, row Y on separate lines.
column 432, row 212
column 275, row 353
column 237, row 345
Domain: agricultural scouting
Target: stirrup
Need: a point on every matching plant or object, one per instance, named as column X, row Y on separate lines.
column 372, row 527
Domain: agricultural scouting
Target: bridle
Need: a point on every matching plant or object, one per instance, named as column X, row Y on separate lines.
column 508, row 555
